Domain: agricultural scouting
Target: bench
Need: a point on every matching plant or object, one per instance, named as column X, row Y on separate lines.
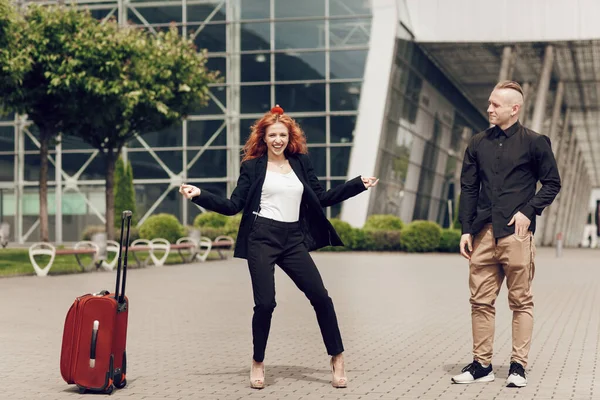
column 189, row 248
column 98, row 253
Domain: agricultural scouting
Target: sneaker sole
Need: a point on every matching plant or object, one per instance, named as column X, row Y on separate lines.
column 485, row 379
column 514, row 385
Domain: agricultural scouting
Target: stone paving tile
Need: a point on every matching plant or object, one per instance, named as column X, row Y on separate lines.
column 405, row 320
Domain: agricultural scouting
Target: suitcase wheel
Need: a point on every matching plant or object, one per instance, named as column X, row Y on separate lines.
column 109, row 389
column 82, row 390
column 121, row 384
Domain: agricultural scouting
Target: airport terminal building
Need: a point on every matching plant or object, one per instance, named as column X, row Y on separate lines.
column 390, row 88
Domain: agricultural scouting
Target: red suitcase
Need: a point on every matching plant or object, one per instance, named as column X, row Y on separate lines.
column 93, row 348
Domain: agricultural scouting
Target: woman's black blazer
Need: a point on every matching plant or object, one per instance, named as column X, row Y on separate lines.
column 318, row 232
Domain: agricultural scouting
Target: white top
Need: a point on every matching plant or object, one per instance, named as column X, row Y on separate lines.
column 281, row 197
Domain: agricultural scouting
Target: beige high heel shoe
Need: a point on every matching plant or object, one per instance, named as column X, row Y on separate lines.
column 337, row 383
column 257, row 383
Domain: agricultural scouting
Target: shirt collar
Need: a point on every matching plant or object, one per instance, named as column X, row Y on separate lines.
column 510, row 130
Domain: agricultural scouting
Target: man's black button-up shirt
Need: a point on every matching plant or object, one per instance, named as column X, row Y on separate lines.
column 499, row 176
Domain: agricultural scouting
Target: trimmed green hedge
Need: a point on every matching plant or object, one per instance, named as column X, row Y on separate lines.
column 450, row 241
column 210, row 220
column 164, row 226
column 421, row 236
column 379, row 222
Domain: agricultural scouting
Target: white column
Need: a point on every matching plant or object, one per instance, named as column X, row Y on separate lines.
column 371, row 119
column 552, row 134
column 542, row 92
column 507, row 64
column 561, row 153
column 233, row 92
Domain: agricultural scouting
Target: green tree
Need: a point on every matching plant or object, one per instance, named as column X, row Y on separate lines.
column 15, row 60
column 142, row 83
column 44, row 40
column 124, row 190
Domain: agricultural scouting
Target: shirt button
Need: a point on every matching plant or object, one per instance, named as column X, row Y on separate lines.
column 500, row 144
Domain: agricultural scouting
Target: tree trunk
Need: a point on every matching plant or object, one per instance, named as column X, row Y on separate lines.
column 110, row 199
column 44, row 144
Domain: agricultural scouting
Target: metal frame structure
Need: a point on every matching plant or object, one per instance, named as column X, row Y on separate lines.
column 337, row 34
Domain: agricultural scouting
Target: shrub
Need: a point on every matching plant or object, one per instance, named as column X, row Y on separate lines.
column 232, row 225
column 345, row 232
column 385, row 240
column 362, row 240
column 210, row 219
column 383, row 223
column 91, row 230
column 164, row 226
column 450, row 241
column 421, row 236
column 213, row 233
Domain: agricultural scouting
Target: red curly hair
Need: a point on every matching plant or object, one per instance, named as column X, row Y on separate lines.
column 256, row 147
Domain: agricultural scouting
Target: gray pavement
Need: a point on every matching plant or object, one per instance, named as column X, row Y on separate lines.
column 405, row 320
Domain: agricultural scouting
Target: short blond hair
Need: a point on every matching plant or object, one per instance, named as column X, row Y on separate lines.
column 510, row 85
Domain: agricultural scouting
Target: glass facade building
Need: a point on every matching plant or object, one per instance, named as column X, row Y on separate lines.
column 308, row 56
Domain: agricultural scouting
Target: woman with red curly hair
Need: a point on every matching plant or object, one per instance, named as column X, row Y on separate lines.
column 283, row 220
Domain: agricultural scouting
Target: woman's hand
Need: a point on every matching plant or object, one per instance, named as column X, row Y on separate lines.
column 189, row 191
column 369, row 182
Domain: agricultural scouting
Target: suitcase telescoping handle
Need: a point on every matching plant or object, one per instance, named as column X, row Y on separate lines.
column 126, row 216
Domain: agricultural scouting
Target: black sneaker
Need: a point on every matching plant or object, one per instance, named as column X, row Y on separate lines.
column 516, row 376
column 474, row 373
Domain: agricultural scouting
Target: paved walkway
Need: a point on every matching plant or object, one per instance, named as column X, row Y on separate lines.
column 405, row 320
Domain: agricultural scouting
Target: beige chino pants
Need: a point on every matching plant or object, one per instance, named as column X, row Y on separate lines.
column 511, row 257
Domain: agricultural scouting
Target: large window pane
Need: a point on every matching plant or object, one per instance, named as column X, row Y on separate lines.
column 256, row 67
column 299, row 34
column 144, row 166
column 7, row 168
column 301, row 97
column 348, row 64
column 74, row 143
column 340, row 157
column 72, row 163
column 211, row 37
column 295, row 8
column 32, row 168
column 255, row 99
column 292, row 66
column 147, row 194
column 201, row 12
column 199, row 132
column 349, row 7
column 345, row 96
column 214, row 107
column 217, row 64
column 349, row 32
column 169, row 137
column 318, row 159
column 314, row 129
column 212, row 163
column 342, row 129
column 255, row 9
column 7, row 138
column 156, row 15
column 336, row 209
column 256, row 36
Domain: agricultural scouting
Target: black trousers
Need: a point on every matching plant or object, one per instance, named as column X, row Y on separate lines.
column 273, row 242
